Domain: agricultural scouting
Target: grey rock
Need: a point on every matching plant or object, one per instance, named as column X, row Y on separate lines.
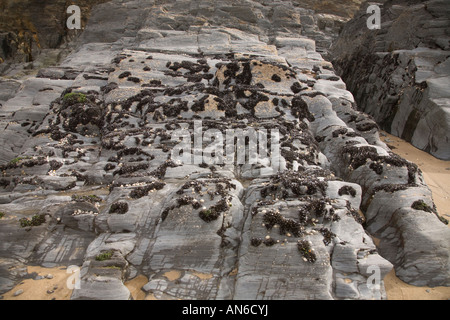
column 18, row 292
column 402, row 184
column 117, row 204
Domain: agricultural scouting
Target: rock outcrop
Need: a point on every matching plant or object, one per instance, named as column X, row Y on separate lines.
column 29, row 27
column 400, row 73
column 33, row 34
column 93, row 174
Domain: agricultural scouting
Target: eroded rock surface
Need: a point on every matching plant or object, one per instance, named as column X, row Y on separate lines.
column 34, row 36
column 94, row 176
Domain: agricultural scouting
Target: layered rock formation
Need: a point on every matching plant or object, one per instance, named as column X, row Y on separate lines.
column 91, row 177
column 400, row 73
column 33, row 34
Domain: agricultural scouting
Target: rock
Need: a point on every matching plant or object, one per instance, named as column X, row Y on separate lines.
column 18, row 292
column 354, row 159
column 307, row 44
column 219, row 159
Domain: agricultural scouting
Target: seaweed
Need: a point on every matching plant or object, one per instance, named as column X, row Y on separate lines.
column 421, row 205
column 118, row 59
column 104, row 256
column 296, row 87
column 134, row 79
column 214, row 212
column 124, row 74
column 367, row 126
column 269, row 242
column 300, row 109
column 347, row 190
column 130, row 168
column 90, row 198
column 271, row 218
column 307, row 252
column 276, row 78
column 300, row 185
column 327, row 235
column 73, row 98
column 256, row 241
column 35, row 221
column 119, row 207
column 195, row 185
column 340, row 131
column 160, row 172
column 376, row 167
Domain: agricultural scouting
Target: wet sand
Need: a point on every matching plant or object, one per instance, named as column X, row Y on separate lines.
column 436, row 172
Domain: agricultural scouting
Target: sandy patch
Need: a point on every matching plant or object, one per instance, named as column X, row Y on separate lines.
column 396, row 289
column 53, row 285
column 172, row 275
column 135, row 286
column 436, row 173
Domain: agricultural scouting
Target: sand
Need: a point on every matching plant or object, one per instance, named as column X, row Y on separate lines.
column 436, row 173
